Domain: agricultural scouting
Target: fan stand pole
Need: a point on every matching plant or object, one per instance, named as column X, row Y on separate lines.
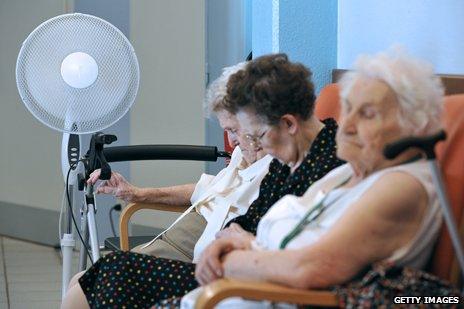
column 67, row 243
column 67, row 246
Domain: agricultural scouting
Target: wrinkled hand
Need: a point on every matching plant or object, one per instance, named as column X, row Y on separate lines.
column 209, row 268
column 117, row 185
column 234, row 231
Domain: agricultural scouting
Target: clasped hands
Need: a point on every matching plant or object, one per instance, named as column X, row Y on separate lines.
column 210, row 267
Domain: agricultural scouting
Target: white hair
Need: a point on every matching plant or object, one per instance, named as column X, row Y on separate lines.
column 419, row 92
column 217, row 90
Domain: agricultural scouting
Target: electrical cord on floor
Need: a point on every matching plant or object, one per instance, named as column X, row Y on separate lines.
column 116, row 207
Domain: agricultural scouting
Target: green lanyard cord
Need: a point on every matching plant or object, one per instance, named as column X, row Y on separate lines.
column 305, row 221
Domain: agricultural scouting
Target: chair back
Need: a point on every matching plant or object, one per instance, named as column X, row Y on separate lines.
column 227, row 146
column 450, row 155
column 328, row 103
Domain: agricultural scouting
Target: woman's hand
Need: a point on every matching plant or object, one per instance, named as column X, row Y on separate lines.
column 117, row 185
column 209, row 268
column 234, row 230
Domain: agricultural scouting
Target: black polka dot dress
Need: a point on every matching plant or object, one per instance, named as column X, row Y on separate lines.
column 131, row 280
column 278, row 182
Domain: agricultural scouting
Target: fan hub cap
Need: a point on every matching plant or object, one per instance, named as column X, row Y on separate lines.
column 79, row 70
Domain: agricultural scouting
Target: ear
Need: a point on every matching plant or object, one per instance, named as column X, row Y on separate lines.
column 290, row 123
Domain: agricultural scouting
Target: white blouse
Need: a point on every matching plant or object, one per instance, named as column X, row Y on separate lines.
column 225, row 196
column 280, row 220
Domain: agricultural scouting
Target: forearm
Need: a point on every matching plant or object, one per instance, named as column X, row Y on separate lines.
column 175, row 195
column 272, row 266
column 286, row 267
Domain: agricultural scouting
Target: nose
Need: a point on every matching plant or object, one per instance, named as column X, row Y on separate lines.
column 348, row 123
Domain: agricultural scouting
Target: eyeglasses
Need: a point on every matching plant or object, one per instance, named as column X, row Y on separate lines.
column 255, row 140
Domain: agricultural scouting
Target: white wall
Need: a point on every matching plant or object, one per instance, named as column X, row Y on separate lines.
column 169, row 39
column 30, row 170
column 430, row 29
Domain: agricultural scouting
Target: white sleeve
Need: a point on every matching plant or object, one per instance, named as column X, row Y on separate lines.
column 201, row 186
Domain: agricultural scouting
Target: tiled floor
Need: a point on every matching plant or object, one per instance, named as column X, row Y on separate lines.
column 30, row 275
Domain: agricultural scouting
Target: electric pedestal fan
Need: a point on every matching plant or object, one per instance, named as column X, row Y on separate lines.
column 77, row 74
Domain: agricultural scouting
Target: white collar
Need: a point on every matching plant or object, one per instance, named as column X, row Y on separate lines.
column 255, row 169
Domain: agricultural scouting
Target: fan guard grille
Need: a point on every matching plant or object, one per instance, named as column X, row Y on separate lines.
column 51, row 100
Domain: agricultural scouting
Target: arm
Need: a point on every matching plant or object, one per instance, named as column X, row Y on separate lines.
column 175, row 195
column 384, row 219
column 209, row 267
column 118, row 186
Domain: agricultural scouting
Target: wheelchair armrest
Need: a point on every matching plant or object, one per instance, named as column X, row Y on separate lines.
column 132, row 208
column 224, row 288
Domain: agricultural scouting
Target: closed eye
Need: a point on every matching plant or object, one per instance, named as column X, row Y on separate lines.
column 368, row 112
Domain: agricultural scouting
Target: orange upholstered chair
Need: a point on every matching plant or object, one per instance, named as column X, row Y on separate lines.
column 227, row 147
column 328, row 103
column 450, row 154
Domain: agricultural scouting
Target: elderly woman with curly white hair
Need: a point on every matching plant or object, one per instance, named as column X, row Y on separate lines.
column 367, row 211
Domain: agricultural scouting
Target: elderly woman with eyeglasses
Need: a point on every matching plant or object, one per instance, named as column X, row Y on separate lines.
column 273, row 99
column 370, row 210
column 143, row 280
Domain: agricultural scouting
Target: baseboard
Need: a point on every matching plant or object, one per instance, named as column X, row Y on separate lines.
column 41, row 225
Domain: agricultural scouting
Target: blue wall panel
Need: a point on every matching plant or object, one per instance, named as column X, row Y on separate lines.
column 304, row 29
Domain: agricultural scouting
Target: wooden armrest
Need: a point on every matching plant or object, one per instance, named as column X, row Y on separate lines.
column 132, row 208
column 224, row 288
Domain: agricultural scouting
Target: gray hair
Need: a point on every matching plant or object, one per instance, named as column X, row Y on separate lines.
column 217, row 90
column 419, row 92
